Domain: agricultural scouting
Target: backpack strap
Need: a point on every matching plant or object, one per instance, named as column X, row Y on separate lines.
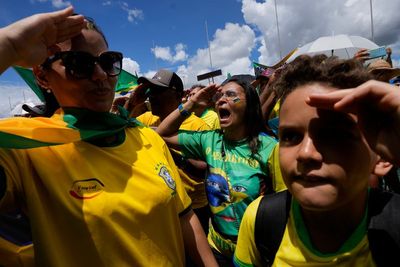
column 270, row 224
column 384, row 227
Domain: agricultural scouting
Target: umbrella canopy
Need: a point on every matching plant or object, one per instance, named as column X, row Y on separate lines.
column 342, row 46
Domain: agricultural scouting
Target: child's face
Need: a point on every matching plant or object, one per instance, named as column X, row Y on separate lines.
column 325, row 161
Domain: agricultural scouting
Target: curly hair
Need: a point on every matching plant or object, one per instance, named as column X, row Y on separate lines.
column 334, row 72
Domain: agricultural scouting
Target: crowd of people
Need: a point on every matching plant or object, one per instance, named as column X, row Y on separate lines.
column 294, row 167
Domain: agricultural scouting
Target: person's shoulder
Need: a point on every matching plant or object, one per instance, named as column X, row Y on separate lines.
column 267, row 140
column 149, row 119
column 194, row 123
column 252, row 209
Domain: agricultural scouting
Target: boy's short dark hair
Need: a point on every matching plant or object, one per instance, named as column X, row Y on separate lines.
column 332, row 71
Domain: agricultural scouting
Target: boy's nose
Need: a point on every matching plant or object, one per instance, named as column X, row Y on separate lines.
column 308, row 151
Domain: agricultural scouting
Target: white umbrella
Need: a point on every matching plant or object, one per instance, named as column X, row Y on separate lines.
column 342, row 46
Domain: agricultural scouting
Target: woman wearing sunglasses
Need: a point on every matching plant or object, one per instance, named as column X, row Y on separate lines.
column 99, row 189
column 241, row 157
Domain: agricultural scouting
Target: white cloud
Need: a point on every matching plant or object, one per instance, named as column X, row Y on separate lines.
column 230, row 50
column 302, row 21
column 134, row 14
column 106, row 3
column 14, row 95
column 164, row 53
column 55, row 3
column 130, row 65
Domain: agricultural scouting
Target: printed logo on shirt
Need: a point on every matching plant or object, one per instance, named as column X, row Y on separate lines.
column 164, row 173
column 86, row 189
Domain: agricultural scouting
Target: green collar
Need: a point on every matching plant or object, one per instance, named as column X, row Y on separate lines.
column 304, row 236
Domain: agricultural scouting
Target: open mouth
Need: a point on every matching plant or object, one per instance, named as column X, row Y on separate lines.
column 224, row 114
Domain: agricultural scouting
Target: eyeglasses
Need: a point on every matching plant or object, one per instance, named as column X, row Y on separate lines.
column 229, row 95
column 80, row 65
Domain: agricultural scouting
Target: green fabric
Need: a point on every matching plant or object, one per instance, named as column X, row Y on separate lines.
column 14, row 141
column 304, row 236
column 233, row 181
column 29, row 78
column 125, row 81
column 239, row 263
column 91, row 126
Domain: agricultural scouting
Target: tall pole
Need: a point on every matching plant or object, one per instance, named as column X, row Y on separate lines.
column 372, row 20
column 277, row 29
column 209, row 47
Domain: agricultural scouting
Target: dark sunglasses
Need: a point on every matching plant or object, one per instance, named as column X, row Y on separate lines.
column 80, row 65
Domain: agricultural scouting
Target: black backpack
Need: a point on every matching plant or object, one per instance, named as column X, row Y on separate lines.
column 383, row 226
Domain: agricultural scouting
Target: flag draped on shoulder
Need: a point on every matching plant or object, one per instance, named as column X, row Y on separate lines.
column 65, row 126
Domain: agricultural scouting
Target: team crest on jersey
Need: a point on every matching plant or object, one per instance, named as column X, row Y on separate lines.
column 86, row 189
column 164, row 173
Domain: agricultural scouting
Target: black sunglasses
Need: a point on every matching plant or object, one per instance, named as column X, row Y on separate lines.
column 80, row 65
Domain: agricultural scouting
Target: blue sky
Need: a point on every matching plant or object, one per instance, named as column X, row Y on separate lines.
column 171, row 33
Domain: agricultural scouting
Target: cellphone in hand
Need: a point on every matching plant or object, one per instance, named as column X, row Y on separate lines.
column 377, row 52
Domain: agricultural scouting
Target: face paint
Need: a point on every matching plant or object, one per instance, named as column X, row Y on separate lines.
column 236, row 100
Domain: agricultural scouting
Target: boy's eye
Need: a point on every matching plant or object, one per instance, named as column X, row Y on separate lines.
column 336, row 135
column 290, row 137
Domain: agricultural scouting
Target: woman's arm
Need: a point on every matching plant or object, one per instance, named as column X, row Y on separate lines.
column 169, row 127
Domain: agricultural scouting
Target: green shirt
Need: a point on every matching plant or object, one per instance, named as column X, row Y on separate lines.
column 234, row 178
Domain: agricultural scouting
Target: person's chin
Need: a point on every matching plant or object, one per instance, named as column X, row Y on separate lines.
column 318, row 198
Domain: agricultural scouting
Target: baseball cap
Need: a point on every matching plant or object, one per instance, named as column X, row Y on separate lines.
column 164, row 78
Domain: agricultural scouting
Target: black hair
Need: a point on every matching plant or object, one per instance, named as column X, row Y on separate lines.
column 201, row 86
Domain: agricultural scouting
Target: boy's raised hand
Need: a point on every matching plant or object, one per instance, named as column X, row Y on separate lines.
column 377, row 106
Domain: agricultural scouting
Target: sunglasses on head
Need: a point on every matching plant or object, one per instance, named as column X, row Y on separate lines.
column 80, row 65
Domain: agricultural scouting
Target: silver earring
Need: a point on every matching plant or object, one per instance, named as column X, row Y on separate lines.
column 48, row 91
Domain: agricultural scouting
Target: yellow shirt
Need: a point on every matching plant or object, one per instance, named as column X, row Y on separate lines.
column 100, row 206
column 293, row 252
column 194, row 188
column 211, row 118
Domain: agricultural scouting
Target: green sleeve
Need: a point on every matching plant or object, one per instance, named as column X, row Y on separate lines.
column 192, row 143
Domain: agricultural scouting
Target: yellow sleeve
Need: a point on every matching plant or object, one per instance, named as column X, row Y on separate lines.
column 246, row 253
column 149, row 119
column 274, row 167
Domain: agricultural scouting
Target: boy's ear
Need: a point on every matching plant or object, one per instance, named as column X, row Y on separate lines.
column 382, row 167
column 40, row 76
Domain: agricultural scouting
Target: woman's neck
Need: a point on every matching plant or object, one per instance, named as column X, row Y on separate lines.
column 329, row 230
column 235, row 134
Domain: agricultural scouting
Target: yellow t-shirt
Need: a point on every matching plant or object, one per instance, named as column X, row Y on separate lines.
column 194, row 187
column 15, row 255
column 100, row 206
column 211, row 118
column 293, row 251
